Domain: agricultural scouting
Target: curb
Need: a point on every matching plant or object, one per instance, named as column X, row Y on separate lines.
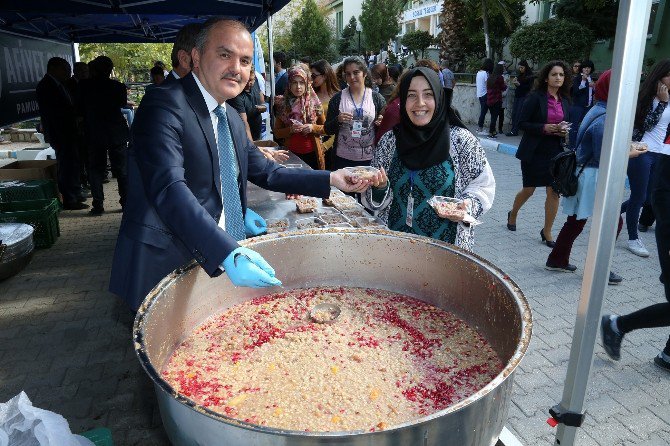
column 509, row 149
column 489, row 144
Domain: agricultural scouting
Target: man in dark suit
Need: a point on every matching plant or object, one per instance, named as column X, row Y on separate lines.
column 189, row 163
column 59, row 125
column 181, row 51
column 106, row 130
column 281, row 80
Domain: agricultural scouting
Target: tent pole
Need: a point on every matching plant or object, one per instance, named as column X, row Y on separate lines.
column 630, row 40
column 272, row 69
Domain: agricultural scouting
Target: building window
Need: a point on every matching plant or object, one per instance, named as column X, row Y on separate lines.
column 409, row 27
column 339, row 23
column 652, row 17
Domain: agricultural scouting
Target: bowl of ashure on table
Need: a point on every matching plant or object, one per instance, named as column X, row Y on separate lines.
column 424, row 349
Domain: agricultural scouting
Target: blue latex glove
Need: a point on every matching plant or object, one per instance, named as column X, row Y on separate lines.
column 247, row 268
column 254, row 224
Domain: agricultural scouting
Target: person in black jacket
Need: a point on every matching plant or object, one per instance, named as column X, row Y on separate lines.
column 59, row 125
column 582, row 98
column 523, row 82
column 106, row 130
column 544, row 120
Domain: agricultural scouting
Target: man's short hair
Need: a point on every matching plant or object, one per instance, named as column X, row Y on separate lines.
column 185, row 40
column 201, row 39
column 103, row 65
column 280, row 58
column 55, row 63
column 156, row 71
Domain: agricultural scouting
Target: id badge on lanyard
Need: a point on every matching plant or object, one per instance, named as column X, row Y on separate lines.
column 357, row 123
column 356, row 128
column 410, row 200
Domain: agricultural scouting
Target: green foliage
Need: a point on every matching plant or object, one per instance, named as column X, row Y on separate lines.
column 416, row 41
column 348, row 44
column 600, row 20
column 381, row 22
column 502, row 23
column 311, row 34
column 132, row 61
column 552, row 39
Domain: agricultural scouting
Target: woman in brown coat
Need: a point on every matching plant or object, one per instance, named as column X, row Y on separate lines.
column 300, row 124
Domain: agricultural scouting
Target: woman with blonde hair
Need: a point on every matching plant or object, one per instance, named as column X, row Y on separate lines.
column 301, row 118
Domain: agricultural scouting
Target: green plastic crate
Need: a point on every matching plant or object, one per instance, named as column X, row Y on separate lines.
column 28, row 190
column 40, row 214
column 100, row 436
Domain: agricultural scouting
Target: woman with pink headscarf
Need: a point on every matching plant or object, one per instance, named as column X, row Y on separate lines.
column 300, row 123
column 580, row 206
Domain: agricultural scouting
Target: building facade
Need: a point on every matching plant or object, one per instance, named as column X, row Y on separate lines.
column 421, row 15
column 341, row 11
column 658, row 40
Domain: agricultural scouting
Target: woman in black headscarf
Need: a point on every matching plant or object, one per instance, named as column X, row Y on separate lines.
column 430, row 152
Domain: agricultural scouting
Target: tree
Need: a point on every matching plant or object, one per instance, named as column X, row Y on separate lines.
column 132, row 61
column 552, row 39
column 281, row 28
column 601, row 20
column 452, row 38
column 381, row 21
column 311, row 34
column 347, row 44
column 488, row 8
column 416, row 41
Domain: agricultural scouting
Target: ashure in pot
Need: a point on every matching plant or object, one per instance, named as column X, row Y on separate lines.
column 429, row 270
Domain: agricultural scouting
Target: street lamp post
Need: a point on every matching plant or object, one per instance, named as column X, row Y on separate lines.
column 359, row 28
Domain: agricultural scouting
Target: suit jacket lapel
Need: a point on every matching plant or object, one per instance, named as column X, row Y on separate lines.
column 543, row 106
column 199, row 106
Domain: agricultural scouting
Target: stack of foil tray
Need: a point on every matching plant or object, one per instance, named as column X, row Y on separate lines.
column 16, row 248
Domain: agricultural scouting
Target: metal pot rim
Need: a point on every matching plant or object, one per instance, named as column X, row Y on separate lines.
column 513, row 288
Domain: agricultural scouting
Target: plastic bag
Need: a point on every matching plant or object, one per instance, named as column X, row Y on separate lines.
column 21, row 424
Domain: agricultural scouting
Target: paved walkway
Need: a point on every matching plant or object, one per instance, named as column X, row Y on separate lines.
column 66, row 341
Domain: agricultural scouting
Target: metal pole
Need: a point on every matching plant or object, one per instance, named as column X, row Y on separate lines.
column 630, row 40
column 272, row 69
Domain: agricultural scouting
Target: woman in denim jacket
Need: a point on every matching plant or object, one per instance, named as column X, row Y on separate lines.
column 580, row 206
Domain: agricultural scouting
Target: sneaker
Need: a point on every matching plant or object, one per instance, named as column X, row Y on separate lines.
column 662, row 363
column 481, row 132
column 614, row 279
column 611, row 339
column 96, row 212
column 569, row 268
column 492, row 135
column 637, row 247
column 642, row 228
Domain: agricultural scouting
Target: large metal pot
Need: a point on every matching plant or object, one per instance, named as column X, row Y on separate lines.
column 429, row 270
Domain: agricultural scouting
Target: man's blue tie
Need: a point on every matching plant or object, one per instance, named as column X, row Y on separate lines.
column 232, row 207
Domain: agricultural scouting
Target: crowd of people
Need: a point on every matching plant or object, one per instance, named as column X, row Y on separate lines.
column 195, row 140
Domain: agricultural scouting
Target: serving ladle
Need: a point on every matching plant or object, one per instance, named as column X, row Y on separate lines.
column 320, row 313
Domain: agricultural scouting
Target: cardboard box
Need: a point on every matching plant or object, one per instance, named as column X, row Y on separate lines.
column 30, row 170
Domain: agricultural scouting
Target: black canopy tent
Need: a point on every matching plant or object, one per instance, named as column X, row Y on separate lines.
column 151, row 21
column 32, row 31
